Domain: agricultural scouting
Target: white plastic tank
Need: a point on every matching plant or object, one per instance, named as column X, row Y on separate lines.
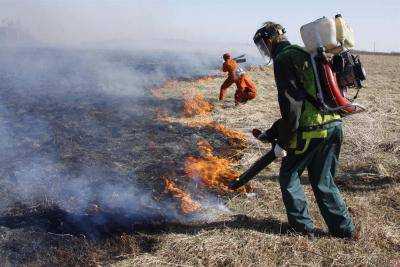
column 344, row 34
column 240, row 71
column 319, row 33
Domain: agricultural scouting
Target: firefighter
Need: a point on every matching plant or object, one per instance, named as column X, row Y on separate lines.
column 304, row 137
column 246, row 89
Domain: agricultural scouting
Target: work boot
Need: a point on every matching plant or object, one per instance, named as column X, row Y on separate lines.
column 311, row 234
column 315, row 233
column 353, row 236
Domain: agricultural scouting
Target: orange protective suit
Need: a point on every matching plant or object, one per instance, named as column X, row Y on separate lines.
column 246, row 89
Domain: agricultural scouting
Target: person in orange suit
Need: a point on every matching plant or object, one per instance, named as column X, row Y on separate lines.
column 246, row 89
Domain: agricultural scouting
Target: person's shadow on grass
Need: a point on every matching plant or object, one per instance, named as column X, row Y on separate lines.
column 268, row 225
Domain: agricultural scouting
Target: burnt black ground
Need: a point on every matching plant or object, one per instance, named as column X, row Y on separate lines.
column 71, row 141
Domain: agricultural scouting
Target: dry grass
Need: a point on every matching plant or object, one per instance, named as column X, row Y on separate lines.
column 254, row 232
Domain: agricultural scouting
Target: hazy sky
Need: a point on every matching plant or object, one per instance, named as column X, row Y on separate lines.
column 79, row 21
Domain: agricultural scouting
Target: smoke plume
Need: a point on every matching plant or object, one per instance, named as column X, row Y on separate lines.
column 75, row 103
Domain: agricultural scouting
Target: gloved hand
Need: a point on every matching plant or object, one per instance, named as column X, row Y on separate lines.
column 266, row 137
column 279, row 152
column 256, row 132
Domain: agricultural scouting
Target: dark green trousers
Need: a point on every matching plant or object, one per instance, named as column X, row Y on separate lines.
column 320, row 156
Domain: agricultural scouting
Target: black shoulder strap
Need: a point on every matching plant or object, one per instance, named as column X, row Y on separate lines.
column 315, row 102
column 312, row 99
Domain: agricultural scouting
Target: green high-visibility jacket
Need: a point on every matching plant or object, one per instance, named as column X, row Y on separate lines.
column 295, row 78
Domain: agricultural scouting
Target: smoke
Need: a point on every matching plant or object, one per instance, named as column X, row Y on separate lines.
column 75, row 105
column 52, row 103
column 71, row 121
column 76, row 22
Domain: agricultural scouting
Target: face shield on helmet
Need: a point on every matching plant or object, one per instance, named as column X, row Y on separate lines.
column 260, row 41
column 262, row 48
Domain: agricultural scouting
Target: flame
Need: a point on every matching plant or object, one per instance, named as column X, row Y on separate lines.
column 205, row 148
column 158, row 91
column 232, row 135
column 187, row 204
column 196, row 105
column 212, row 171
column 234, row 138
column 205, row 79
